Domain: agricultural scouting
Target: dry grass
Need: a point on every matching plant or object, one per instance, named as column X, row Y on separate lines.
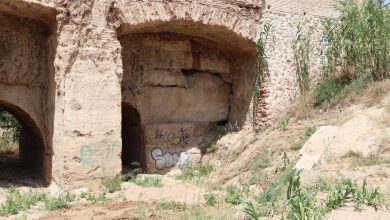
column 376, row 91
column 10, row 148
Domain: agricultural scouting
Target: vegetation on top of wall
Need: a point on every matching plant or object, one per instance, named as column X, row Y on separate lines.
column 261, row 69
column 358, row 41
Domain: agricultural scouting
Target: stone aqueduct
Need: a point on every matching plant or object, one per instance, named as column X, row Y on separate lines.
column 97, row 84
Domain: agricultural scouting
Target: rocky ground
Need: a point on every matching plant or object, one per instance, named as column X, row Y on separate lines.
column 255, row 163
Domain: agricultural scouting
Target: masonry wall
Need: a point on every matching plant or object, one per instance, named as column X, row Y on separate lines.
column 89, row 77
column 281, row 85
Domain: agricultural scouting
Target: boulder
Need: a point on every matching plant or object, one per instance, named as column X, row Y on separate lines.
column 314, row 149
column 360, row 135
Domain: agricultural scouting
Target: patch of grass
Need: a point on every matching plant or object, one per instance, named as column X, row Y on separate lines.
column 93, row 198
column 59, row 202
column 371, row 160
column 140, row 213
column 148, row 181
column 234, row 195
column 16, row 201
column 327, row 90
column 113, row 184
column 196, row 174
column 210, row 198
column 171, row 205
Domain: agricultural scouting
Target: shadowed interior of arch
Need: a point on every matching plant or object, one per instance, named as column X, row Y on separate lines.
column 21, row 148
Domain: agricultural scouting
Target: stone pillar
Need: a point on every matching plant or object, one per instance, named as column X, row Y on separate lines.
column 88, row 68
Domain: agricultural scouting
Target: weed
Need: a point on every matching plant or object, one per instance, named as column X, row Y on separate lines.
column 234, row 195
column 301, row 201
column 283, row 124
column 113, row 184
column 93, row 198
column 210, row 198
column 261, row 69
column 309, row 131
column 140, row 211
column 302, row 47
column 17, row 201
column 250, row 210
column 59, row 202
column 286, row 159
column 171, row 205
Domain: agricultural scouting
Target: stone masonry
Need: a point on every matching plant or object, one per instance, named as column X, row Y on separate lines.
column 100, row 85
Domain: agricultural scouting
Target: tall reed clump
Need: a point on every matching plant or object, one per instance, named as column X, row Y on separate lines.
column 358, row 41
column 302, row 47
column 261, row 69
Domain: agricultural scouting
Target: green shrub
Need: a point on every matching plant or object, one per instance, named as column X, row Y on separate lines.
column 283, row 124
column 113, row 184
column 17, row 201
column 327, row 90
column 59, row 202
column 210, row 198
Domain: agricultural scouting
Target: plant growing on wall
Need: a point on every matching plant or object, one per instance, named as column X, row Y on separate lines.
column 302, row 47
column 261, row 69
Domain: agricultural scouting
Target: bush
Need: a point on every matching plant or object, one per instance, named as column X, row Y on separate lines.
column 196, row 174
column 327, row 90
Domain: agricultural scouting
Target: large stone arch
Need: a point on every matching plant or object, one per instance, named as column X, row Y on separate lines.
column 201, row 55
column 227, row 22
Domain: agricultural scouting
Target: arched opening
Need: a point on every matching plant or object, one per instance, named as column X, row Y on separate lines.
column 132, row 139
column 178, row 91
column 23, row 162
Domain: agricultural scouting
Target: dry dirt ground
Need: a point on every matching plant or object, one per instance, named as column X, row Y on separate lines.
column 254, row 160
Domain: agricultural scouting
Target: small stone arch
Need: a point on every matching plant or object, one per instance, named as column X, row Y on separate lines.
column 32, row 147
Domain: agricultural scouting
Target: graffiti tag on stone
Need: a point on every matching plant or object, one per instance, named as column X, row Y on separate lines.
column 168, row 160
column 89, row 152
column 174, row 138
